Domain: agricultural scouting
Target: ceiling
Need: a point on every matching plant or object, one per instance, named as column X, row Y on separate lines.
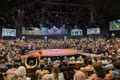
column 76, row 9
column 115, row 10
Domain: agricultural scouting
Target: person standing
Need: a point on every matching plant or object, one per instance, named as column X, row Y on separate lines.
column 79, row 75
column 21, row 73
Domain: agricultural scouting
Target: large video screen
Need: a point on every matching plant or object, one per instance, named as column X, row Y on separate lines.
column 76, row 32
column 8, row 32
column 44, row 31
column 31, row 31
column 56, row 31
column 115, row 25
column 93, row 31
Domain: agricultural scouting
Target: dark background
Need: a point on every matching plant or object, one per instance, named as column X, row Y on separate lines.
column 72, row 11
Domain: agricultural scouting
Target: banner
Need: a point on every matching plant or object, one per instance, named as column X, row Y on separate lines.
column 8, row 32
column 93, row 31
column 51, row 53
column 57, row 52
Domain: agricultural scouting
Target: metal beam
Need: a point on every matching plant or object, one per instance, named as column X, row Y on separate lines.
column 58, row 4
column 65, row 4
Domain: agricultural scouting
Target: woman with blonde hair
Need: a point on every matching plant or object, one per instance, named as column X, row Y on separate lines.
column 21, row 73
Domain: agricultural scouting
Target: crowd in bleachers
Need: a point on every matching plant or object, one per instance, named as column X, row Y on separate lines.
column 109, row 48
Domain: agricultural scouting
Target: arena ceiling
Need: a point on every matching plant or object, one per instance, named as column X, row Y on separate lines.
column 77, row 10
column 115, row 10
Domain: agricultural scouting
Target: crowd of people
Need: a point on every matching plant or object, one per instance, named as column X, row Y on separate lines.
column 106, row 67
column 88, row 70
column 87, row 45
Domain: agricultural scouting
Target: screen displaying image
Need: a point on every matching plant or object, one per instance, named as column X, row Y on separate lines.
column 44, row 30
column 115, row 25
column 56, row 31
column 76, row 32
column 31, row 31
column 8, row 32
column 93, row 31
